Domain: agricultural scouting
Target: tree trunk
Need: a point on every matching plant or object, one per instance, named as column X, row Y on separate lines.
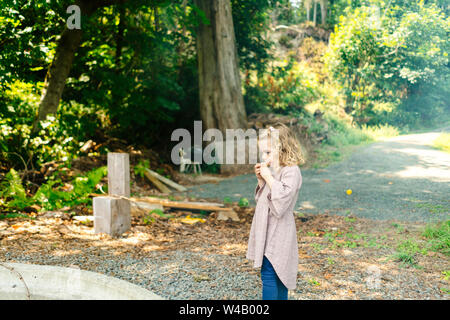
column 59, row 69
column 181, row 44
column 315, row 13
column 221, row 101
column 308, row 9
column 58, row 73
column 323, row 11
column 119, row 36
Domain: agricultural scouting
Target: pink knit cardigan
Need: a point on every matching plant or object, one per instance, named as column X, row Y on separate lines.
column 273, row 232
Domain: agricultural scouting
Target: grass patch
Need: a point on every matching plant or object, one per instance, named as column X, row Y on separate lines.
column 341, row 141
column 338, row 239
column 317, row 247
column 446, row 275
column 433, row 208
column 380, row 132
column 438, row 236
column 406, row 259
column 350, row 219
column 442, row 142
column 411, row 247
column 151, row 217
column 407, row 252
column 15, row 215
column 445, row 290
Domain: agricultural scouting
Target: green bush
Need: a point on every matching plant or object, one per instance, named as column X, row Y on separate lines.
column 290, row 85
column 50, row 195
column 400, row 59
column 58, row 137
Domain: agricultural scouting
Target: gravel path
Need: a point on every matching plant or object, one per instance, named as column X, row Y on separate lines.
column 400, row 178
column 178, row 274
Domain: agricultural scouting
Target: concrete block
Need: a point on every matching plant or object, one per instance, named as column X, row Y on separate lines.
column 111, row 215
column 118, row 174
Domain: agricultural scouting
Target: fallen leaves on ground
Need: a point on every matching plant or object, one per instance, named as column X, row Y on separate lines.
column 333, row 251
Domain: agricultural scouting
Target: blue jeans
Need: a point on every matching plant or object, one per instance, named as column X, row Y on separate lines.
column 272, row 287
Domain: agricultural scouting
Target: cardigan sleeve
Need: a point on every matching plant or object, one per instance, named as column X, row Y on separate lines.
column 258, row 191
column 282, row 192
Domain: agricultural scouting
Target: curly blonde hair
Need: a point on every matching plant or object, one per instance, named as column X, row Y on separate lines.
column 288, row 147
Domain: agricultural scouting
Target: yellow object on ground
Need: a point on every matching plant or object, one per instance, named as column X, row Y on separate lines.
column 190, row 220
column 349, row 191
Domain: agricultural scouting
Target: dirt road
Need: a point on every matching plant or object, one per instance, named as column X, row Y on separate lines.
column 401, row 178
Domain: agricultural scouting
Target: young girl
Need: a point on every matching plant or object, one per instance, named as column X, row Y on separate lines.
column 272, row 242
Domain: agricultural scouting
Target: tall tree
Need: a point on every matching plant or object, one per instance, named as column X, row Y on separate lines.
column 221, row 100
column 314, row 3
column 59, row 69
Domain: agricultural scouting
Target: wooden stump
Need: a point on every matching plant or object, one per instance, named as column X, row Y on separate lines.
column 111, row 215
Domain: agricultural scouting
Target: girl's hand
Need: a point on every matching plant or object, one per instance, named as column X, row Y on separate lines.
column 258, row 174
column 266, row 174
column 264, row 171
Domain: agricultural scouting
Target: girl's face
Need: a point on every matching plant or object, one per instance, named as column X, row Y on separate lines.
column 269, row 156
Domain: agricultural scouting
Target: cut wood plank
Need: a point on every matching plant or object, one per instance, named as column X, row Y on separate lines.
column 83, row 218
column 169, row 182
column 216, row 204
column 157, row 183
column 183, row 204
column 141, row 208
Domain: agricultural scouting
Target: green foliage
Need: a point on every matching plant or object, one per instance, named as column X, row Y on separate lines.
column 15, row 216
column 27, row 32
column 251, row 18
column 442, row 142
column 438, row 236
column 148, row 220
column 286, row 87
column 155, row 213
column 227, row 200
column 405, row 258
column 406, row 252
column 161, row 213
column 58, row 138
column 394, row 59
column 213, row 168
column 12, row 192
column 411, row 247
column 314, row 282
column 50, row 196
column 446, row 274
column 139, row 169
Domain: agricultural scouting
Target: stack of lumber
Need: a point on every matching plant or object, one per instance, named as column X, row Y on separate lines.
column 162, row 183
column 223, row 213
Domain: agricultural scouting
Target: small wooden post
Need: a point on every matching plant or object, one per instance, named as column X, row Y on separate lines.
column 119, row 174
column 112, row 215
